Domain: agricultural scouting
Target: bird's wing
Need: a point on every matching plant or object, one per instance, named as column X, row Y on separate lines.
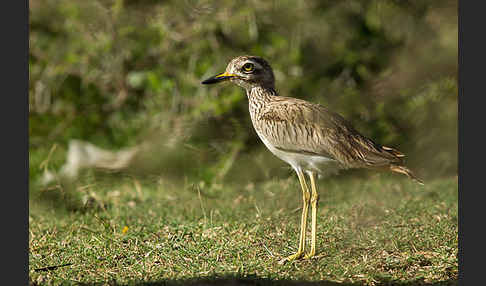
column 295, row 125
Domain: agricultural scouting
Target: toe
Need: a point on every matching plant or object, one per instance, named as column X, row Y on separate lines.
column 291, row 257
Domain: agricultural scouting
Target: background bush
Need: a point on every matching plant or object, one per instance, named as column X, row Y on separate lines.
column 117, row 73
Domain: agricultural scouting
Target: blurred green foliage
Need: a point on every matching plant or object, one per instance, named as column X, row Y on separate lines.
column 117, row 73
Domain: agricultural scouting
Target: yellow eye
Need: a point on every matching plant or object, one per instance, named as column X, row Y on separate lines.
column 248, row 67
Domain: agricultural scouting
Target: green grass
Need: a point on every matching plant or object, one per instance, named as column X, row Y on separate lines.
column 379, row 230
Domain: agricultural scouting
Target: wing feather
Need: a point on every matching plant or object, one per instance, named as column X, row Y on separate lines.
column 294, row 125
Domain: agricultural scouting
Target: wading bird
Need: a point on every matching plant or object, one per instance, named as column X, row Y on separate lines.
column 308, row 136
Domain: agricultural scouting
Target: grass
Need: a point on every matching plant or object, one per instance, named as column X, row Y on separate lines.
column 121, row 230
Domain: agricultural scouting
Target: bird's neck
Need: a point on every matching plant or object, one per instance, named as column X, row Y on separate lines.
column 258, row 98
column 260, row 93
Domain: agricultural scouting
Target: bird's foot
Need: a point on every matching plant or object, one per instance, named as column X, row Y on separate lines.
column 292, row 257
column 309, row 255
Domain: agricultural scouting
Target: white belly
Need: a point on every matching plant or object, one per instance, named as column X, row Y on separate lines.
column 304, row 162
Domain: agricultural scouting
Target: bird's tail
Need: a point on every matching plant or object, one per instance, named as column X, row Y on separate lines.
column 404, row 170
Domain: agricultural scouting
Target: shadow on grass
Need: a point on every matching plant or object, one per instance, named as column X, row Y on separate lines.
column 257, row 281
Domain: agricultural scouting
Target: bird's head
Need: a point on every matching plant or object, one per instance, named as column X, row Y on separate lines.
column 247, row 72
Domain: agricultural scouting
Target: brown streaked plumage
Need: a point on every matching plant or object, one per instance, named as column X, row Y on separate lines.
column 308, row 136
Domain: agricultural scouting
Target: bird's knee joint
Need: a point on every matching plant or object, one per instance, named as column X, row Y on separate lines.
column 314, row 199
column 307, row 197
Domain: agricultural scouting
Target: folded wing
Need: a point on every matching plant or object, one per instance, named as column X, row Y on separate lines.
column 294, row 125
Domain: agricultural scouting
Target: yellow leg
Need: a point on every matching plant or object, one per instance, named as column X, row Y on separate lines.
column 303, row 222
column 314, row 200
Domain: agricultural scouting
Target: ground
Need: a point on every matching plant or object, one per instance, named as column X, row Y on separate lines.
column 373, row 230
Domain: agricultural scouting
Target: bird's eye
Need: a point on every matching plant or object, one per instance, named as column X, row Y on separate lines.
column 248, row 67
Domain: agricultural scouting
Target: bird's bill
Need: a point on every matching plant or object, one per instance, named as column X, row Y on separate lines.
column 218, row 78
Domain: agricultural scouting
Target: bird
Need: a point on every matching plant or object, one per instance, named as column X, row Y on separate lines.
column 312, row 139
